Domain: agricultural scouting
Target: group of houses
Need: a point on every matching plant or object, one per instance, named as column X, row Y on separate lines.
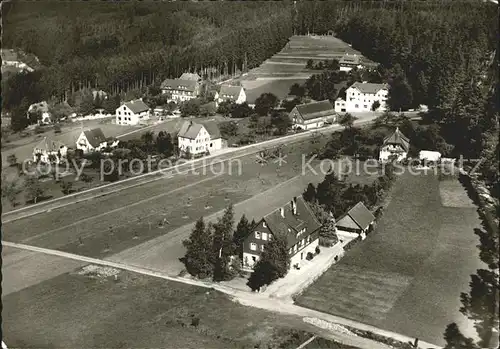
column 52, row 151
column 185, row 88
column 18, row 61
column 297, row 222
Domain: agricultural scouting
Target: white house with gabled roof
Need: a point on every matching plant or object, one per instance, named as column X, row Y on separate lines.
column 235, row 94
column 198, row 139
column 132, row 112
column 361, row 96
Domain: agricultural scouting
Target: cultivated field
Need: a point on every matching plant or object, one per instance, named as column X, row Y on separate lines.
column 288, row 66
column 408, row 274
column 107, row 308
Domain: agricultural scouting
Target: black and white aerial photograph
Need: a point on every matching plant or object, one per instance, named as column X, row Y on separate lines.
column 250, row 174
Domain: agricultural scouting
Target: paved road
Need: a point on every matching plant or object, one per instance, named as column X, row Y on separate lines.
column 246, row 298
column 230, row 154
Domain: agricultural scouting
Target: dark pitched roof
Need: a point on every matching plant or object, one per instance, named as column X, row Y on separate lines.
column 398, row 138
column 178, row 84
column 137, row 106
column 190, row 130
column 291, row 224
column 228, row 91
column 359, row 215
column 315, row 110
column 368, row 87
column 95, row 137
column 49, row 145
column 212, row 129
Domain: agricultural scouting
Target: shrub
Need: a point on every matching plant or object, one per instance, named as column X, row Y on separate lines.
column 317, row 250
column 57, row 129
column 195, row 321
column 309, row 256
column 325, row 242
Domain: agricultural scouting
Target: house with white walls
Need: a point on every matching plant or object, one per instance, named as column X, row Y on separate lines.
column 132, row 113
column 395, row 146
column 235, row 94
column 180, row 90
column 49, row 151
column 295, row 221
column 94, row 140
column 196, row 139
column 361, row 96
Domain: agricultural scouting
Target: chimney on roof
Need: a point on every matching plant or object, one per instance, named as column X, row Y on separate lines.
column 293, row 204
column 282, row 212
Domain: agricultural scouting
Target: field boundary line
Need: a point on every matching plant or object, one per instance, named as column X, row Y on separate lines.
column 306, row 342
column 120, row 208
column 251, row 147
column 245, row 298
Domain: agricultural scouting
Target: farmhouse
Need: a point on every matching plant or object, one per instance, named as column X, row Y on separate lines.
column 348, row 62
column 295, row 221
column 132, row 112
column 198, row 139
column 93, row 140
column 49, row 151
column 427, row 155
column 180, row 90
column 312, row 115
column 357, row 220
column 360, row 97
column 395, row 145
column 234, row 94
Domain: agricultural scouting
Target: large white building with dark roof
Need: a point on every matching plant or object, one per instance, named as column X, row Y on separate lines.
column 360, row 97
column 132, row 113
column 198, row 139
column 181, row 90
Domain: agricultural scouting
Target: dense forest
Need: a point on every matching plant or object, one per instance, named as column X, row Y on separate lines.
column 443, row 53
column 117, row 46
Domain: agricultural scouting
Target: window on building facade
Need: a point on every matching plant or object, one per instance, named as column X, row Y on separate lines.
column 261, row 248
column 264, row 236
column 257, row 235
column 253, row 246
column 270, row 237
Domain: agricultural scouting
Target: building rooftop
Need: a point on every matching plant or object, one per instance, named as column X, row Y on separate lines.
column 291, row 223
column 315, row 110
column 398, row 138
column 368, row 87
column 137, row 106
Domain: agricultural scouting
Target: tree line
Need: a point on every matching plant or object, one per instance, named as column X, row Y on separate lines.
column 133, row 45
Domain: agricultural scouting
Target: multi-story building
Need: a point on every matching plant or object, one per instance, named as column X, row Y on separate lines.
column 180, row 90
column 197, row 139
column 360, row 97
column 295, row 221
column 132, row 113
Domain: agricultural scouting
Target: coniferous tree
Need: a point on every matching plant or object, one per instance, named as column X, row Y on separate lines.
column 199, row 250
column 222, row 245
column 243, row 230
column 273, row 264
